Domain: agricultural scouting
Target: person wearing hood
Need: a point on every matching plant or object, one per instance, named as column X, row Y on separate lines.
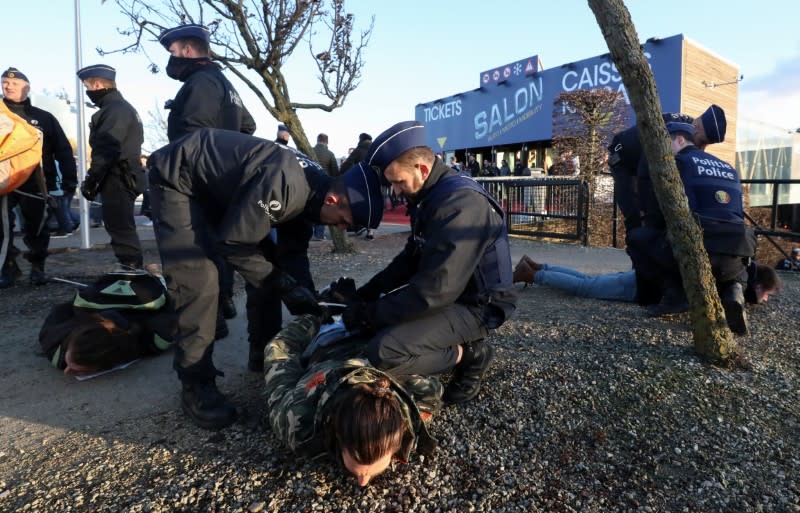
column 218, row 192
column 115, row 137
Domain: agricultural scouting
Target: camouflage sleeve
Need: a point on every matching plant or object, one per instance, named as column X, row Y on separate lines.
column 290, row 414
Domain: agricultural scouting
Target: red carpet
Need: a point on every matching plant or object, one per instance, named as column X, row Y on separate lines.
column 396, row 215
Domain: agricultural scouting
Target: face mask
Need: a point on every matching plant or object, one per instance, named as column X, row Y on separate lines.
column 97, row 94
column 178, row 68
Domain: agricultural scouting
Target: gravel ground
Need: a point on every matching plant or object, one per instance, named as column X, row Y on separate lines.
column 590, row 406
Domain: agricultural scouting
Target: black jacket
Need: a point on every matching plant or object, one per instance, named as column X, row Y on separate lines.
column 55, row 148
column 439, row 260
column 207, row 100
column 115, row 135
column 357, row 156
column 246, row 185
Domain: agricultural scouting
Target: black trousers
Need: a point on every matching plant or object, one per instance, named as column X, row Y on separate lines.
column 187, row 257
column 118, row 206
column 426, row 345
column 36, row 236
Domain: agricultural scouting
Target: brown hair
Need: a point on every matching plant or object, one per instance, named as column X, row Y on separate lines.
column 200, row 46
column 767, row 278
column 98, row 342
column 414, row 155
column 367, row 422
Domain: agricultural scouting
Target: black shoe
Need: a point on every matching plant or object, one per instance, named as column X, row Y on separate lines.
column 227, row 306
column 207, row 406
column 369, row 235
column 672, row 302
column 10, row 273
column 37, row 276
column 466, row 382
column 733, row 302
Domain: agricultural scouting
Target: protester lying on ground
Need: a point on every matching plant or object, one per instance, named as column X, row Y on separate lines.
column 121, row 317
column 762, row 281
column 334, row 401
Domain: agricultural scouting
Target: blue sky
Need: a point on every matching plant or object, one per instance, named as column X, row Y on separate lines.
column 421, row 51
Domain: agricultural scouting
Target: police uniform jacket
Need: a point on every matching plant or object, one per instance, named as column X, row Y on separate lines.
column 437, row 266
column 207, row 100
column 55, row 148
column 115, row 135
column 245, row 185
column 299, row 397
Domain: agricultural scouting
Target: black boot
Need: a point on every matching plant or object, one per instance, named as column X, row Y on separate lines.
column 672, row 302
column 732, row 299
column 227, row 306
column 37, row 276
column 207, row 406
column 10, row 273
column 467, row 376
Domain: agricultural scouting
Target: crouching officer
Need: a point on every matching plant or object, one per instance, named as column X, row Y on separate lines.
column 431, row 308
column 714, row 192
column 116, row 137
column 237, row 187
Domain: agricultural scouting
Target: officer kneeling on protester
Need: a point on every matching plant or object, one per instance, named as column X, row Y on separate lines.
column 237, row 187
column 430, row 309
column 714, row 193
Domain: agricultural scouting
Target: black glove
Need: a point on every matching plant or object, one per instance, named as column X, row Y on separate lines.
column 90, row 187
column 298, row 299
column 342, row 290
column 359, row 317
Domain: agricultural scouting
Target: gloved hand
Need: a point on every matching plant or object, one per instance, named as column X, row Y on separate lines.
column 298, row 299
column 342, row 290
column 52, row 202
column 90, row 187
column 360, row 317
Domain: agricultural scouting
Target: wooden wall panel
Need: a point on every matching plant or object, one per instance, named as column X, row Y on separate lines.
column 701, row 65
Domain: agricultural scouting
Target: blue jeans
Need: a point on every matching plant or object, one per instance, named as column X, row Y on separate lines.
column 319, row 231
column 611, row 286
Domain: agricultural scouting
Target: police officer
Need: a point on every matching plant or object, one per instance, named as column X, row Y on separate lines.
column 216, row 192
column 116, row 137
column 32, row 196
column 714, row 192
column 431, row 308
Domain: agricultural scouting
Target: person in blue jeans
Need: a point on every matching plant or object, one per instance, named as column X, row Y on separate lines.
column 620, row 286
column 762, row 281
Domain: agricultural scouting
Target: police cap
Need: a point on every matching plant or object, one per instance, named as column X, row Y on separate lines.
column 15, row 73
column 393, row 142
column 97, row 71
column 714, row 124
column 169, row 36
column 676, row 127
column 365, row 195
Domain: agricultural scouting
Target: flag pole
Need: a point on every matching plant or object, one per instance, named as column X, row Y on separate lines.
column 85, row 242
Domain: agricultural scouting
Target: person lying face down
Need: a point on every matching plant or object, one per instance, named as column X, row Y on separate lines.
column 338, row 404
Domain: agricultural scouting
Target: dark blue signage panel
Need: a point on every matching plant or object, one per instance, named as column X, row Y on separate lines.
column 524, row 67
column 521, row 108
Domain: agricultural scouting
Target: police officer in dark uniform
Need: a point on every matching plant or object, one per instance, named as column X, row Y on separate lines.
column 206, row 100
column 116, row 137
column 31, row 197
column 431, row 308
column 216, row 192
column 714, row 192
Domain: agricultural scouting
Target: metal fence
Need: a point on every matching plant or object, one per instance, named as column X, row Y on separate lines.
column 542, row 207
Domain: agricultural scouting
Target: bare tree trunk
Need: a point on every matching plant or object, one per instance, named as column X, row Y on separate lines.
column 712, row 338
column 341, row 243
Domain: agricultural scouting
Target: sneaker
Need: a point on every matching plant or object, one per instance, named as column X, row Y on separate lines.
column 732, row 300
column 207, row 406
column 468, row 374
column 524, row 273
column 370, row 235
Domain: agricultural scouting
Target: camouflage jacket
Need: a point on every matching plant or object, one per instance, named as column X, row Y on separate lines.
column 297, row 396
